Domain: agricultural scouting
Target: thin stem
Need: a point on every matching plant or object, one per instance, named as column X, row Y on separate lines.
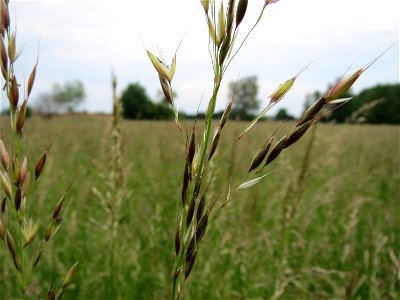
column 248, row 34
column 210, row 113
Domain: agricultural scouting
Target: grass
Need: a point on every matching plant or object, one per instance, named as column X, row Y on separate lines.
column 344, row 237
column 339, row 241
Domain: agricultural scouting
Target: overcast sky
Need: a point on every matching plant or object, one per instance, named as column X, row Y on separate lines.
column 85, row 40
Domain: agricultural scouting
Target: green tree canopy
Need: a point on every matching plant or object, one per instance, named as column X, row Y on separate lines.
column 376, row 105
column 282, row 114
column 137, row 104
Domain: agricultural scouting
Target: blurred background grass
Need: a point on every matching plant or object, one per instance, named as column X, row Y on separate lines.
column 344, row 238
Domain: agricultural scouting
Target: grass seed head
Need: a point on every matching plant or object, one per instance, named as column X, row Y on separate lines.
column 14, row 93
column 70, row 274
column 3, row 59
column 230, row 17
column 189, row 265
column 2, row 231
column 26, row 184
column 186, row 179
column 343, row 85
column 57, row 209
column 13, row 250
column 200, row 208
column 177, row 241
column 221, row 24
column 214, row 143
column 30, row 231
column 12, row 47
column 67, row 280
column 18, row 199
column 167, row 90
column 40, row 165
column 51, row 295
column 226, row 114
column 5, row 180
column 201, row 227
column 260, row 155
column 297, row 133
column 241, row 11
column 50, row 230
column 21, row 116
column 206, row 5
column 31, row 80
column 313, row 110
column 190, row 213
column 23, row 172
column 36, row 260
column 165, row 72
column 282, row 90
column 191, row 248
column 226, row 45
column 276, row 151
column 5, row 17
column 5, row 159
column 197, row 187
column 212, row 31
column 3, row 206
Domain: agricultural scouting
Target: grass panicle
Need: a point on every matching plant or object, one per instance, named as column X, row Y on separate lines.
column 223, row 24
column 19, row 229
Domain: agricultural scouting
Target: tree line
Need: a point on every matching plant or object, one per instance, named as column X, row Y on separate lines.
column 375, row 105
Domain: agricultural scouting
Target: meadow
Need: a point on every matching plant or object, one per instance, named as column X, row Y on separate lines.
column 342, row 242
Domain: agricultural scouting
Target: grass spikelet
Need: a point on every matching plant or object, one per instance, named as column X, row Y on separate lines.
column 177, row 241
column 206, row 5
column 5, row 180
column 313, row 110
column 260, row 155
column 5, row 158
column 214, row 143
column 221, row 24
column 13, row 251
column 297, row 133
column 31, row 80
column 276, row 150
column 241, row 11
column 190, row 213
column 2, row 231
column 67, row 280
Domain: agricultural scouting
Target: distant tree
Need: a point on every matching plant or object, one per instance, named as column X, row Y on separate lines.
column 60, row 99
column 376, row 105
column 45, row 105
column 69, row 96
column 282, row 114
column 136, row 104
column 245, row 92
column 387, row 108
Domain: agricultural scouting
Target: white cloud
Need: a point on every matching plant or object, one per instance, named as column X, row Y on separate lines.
column 85, row 39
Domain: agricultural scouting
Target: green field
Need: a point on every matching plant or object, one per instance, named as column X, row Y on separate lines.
column 342, row 243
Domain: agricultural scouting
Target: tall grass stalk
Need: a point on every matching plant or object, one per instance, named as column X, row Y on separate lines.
column 17, row 226
column 113, row 191
column 195, row 210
